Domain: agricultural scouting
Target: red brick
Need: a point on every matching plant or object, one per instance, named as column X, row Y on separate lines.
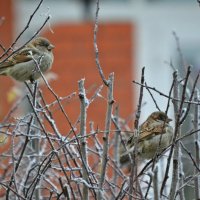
column 75, row 59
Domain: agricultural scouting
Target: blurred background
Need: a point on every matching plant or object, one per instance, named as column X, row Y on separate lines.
column 132, row 34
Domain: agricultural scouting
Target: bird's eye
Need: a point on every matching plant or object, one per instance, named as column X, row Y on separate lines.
column 162, row 117
column 44, row 43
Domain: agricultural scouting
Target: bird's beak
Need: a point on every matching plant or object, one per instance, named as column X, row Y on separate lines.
column 51, row 46
column 168, row 120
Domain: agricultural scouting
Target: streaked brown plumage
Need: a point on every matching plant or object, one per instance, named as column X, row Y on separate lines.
column 22, row 67
column 153, row 132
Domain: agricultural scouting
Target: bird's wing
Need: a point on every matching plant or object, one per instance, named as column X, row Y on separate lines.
column 153, row 129
column 143, row 126
column 148, row 129
column 22, row 56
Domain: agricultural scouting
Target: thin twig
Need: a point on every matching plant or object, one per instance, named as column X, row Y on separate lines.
column 83, row 144
column 155, row 184
column 197, row 148
column 106, row 135
column 96, row 47
column 134, row 155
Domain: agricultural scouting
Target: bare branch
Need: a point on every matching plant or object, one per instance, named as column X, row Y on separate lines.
column 83, row 146
column 96, row 47
column 106, row 135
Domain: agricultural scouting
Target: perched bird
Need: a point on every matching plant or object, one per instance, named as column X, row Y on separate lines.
column 155, row 134
column 22, row 65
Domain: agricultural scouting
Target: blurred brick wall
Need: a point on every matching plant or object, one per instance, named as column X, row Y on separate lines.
column 75, row 59
column 6, row 32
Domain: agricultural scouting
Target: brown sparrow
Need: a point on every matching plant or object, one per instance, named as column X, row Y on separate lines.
column 22, row 65
column 155, row 134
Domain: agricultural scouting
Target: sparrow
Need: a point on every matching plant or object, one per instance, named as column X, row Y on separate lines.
column 155, row 135
column 22, row 65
